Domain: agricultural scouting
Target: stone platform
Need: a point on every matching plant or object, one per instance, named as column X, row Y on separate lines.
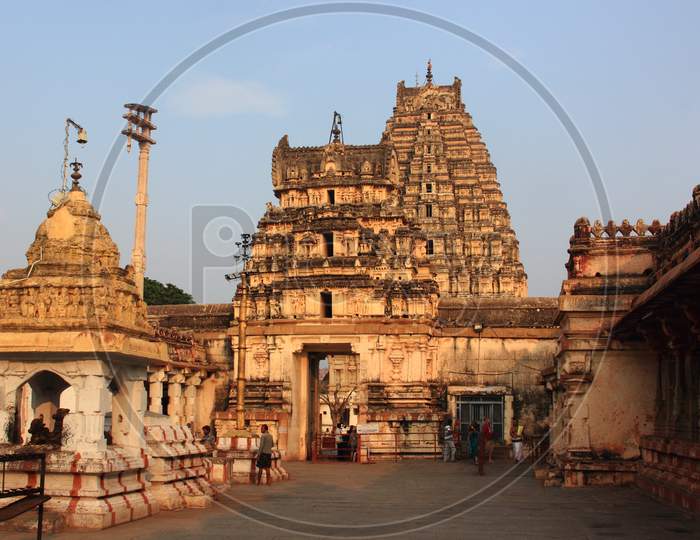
column 177, row 465
column 589, row 472
column 234, row 462
column 93, row 491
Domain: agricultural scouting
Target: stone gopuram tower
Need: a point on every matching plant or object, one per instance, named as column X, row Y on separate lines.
column 365, row 246
column 449, row 188
column 339, row 244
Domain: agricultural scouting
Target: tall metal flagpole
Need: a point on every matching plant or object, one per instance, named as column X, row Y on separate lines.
column 139, row 128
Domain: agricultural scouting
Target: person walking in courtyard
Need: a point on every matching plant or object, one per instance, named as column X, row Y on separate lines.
column 449, row 449
column 516, row 436
column 487, row 433
column 473, row 440
column 481, row 450
column 352, row 441
column 264, row 457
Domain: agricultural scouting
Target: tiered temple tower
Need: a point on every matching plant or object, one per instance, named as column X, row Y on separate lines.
column 371, row 230
column 339, row 244
column 365, row 245
column 449, row 188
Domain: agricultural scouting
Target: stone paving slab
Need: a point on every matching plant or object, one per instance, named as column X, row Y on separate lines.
column 506, row 503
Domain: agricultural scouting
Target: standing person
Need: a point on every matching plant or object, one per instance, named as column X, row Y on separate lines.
column 516, row 435
column 264, row 458
column 481, row 449
column 208, row 437
column 487, row 432
column 352, row 440
column 473, row 439
column 448, row 450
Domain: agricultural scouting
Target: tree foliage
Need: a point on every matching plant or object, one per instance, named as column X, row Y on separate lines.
column 155, row 293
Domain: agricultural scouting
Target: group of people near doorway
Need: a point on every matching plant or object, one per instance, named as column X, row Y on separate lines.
column 480, row 442
column 346, row 441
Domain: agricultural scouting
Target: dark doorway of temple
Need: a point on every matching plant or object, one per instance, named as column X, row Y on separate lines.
column 323, row 396
column 473, row 408
column 313, row 413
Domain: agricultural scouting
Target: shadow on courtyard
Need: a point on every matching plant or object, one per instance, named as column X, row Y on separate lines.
column 505, row 503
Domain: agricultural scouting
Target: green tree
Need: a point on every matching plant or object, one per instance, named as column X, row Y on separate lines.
column 155, row 293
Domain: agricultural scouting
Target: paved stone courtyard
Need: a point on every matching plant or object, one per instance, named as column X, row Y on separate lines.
column 503, row 504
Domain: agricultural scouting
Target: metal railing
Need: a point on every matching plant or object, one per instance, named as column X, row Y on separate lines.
column 372, row 447
column 30, row 496
column 400, row 445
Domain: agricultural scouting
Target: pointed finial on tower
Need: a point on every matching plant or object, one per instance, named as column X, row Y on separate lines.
column 337, row 129
column 429, row 73
column 76, row 174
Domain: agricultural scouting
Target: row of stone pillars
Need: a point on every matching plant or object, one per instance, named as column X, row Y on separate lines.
column 182, row 394
column 674, row 335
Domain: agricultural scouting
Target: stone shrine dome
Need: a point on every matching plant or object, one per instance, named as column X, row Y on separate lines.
column 73, row 278
column 72, row 233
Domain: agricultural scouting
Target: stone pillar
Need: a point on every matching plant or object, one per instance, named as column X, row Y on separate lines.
column 84, row 426
column 8, row 405
column 5, row 422
column 692, row 314
column 575, row 377
column 175, row 398
column 191, row 398
column 127, row 413
column 678, row 331
column 138, row 254
column 155, row 391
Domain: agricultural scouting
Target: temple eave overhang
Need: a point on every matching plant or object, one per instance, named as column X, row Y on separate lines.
column 82, row 343
column 675, row 285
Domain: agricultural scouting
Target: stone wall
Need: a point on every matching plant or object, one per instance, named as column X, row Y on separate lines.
column 602, row 388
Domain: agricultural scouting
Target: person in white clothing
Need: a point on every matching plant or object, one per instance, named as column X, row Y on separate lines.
column 449, row 449
column 516, row 436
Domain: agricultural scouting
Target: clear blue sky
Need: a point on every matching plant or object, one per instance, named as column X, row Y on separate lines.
column 626, row 72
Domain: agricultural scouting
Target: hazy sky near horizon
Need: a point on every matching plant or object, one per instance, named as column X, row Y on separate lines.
column 626, row 73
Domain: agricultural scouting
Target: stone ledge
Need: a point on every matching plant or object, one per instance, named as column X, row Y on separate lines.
column 599, row 473
column 667, row 490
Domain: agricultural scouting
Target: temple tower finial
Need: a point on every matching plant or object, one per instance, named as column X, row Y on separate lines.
column 76, row 176
column 337, row 129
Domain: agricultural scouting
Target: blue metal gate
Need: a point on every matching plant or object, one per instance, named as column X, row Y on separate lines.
column 473, row 408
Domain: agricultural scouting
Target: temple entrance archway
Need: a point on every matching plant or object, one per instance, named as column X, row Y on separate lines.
column 305, row 421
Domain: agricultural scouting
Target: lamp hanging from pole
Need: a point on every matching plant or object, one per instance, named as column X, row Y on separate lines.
column 58, row 196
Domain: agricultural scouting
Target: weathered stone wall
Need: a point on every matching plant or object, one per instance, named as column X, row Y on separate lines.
column 665, row 321
column 603, row 390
